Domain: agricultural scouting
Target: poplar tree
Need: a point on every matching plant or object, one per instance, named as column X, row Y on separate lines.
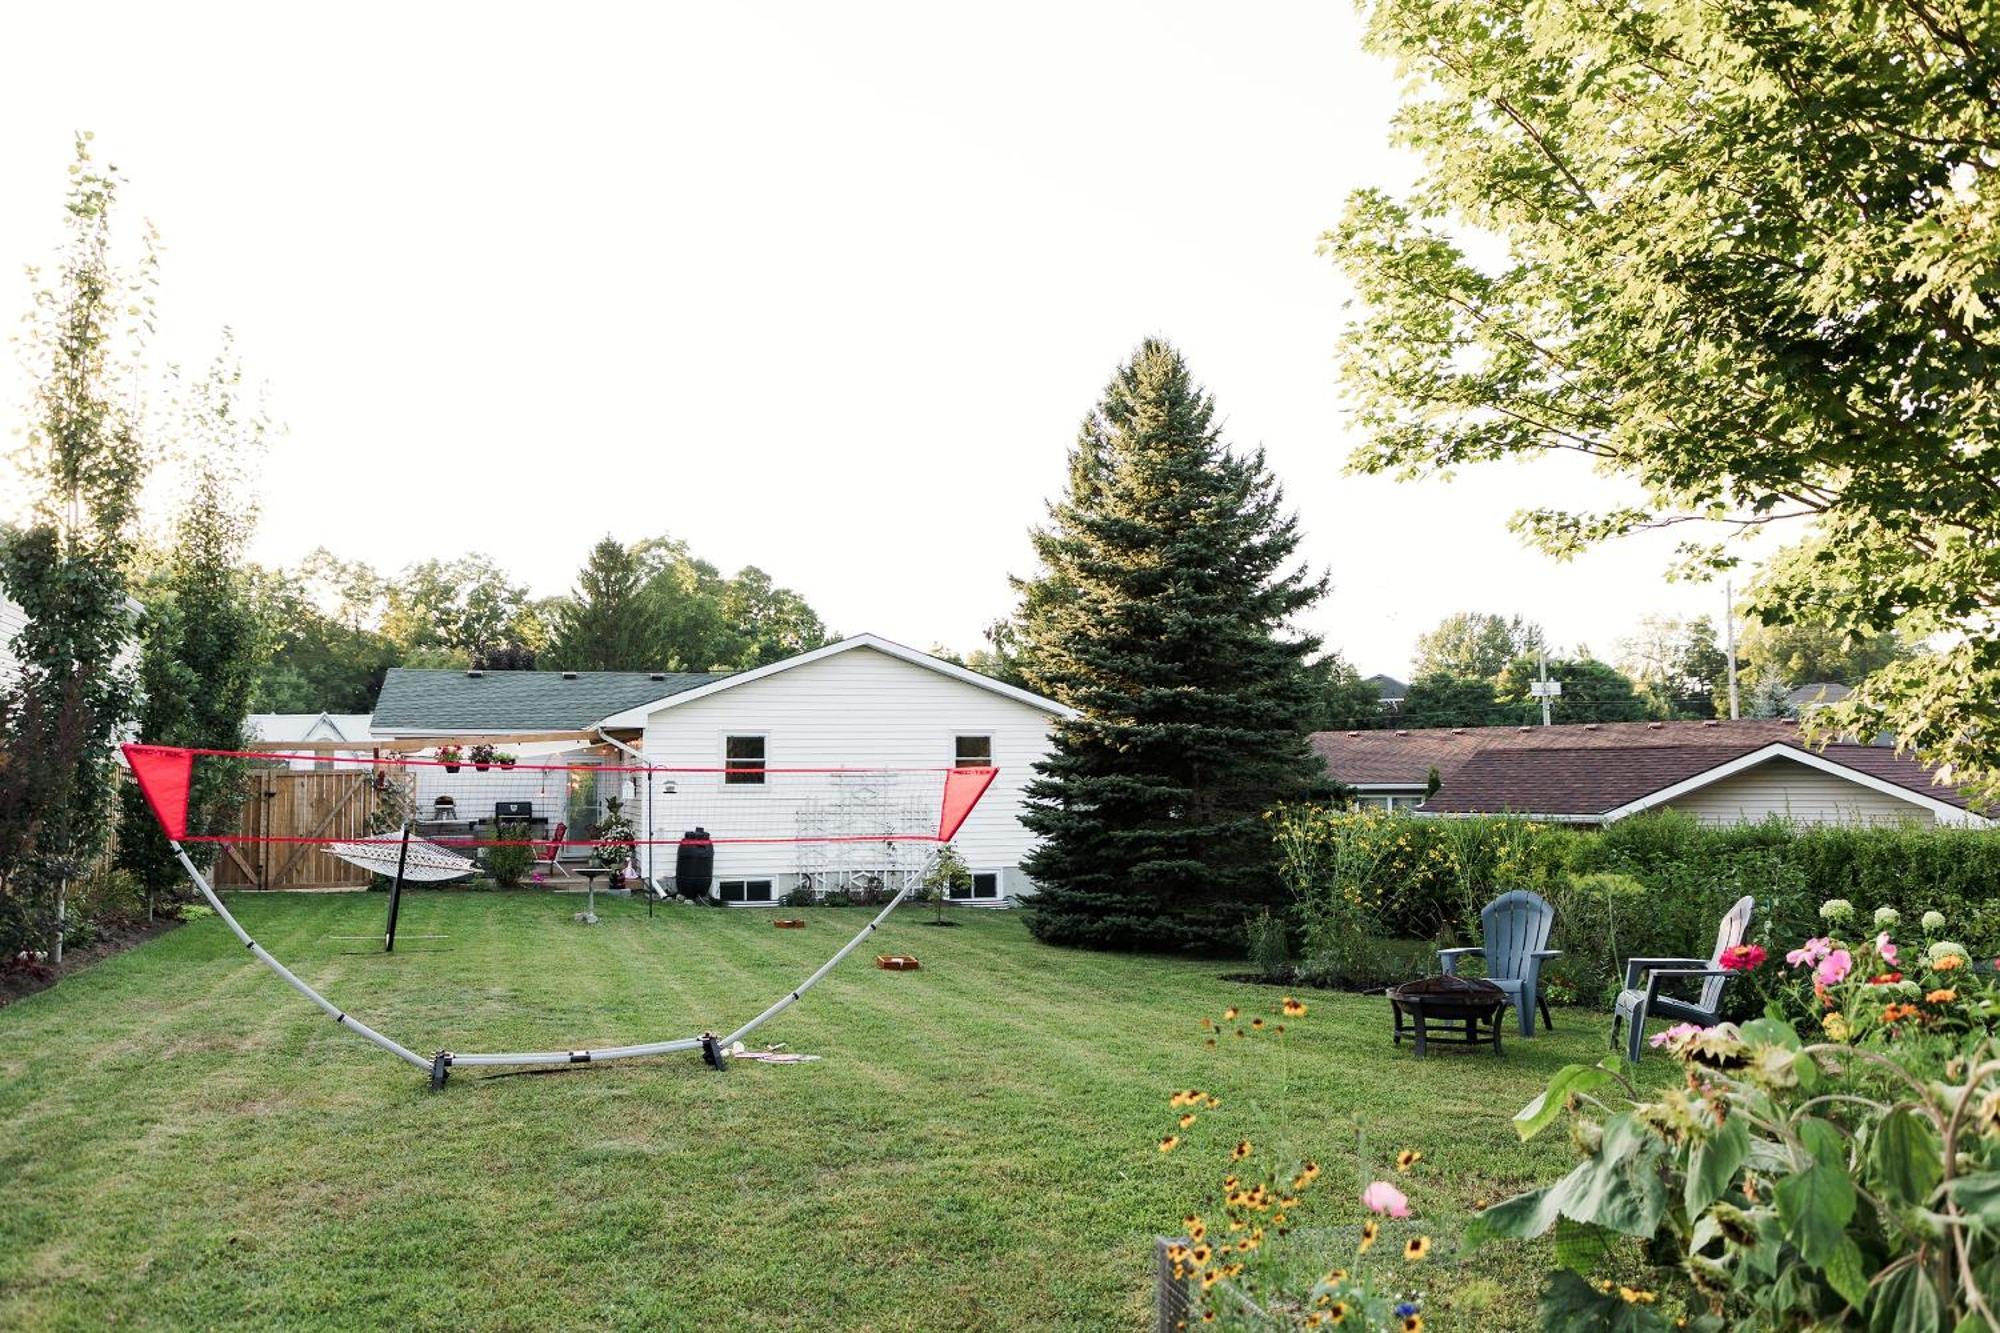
column 1161, row 613
column 66, row 566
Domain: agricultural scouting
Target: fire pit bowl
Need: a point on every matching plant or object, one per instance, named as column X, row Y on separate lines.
column 1460, row 1011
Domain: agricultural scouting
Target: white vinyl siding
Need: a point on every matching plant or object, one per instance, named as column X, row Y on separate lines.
column 860, row 708
column 1796, row 792
column 12, row 621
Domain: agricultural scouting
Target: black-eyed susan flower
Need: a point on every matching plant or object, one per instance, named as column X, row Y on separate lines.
column 1334, row 1277
column 1369, row 1230
column 1208, row 1316
column 1293, row 1009
column 1279, row 1029
column 1309, row 1172
column 1413, row 1323
column 1408, row 1158
column 1210, row 1278
column 1257, row 1023
column 1229, row 1014
column 1210, row 1043
column 1170, row 1142
column 1187, row 1120
column 1201, row 1254
column 1416, row 1248
column 1337, row 1312
column 1240, row 1151
column 1207, row 1023
column 1213, row 1101
column 1239, row 1032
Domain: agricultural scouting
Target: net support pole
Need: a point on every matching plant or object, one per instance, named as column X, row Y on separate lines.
column 396, row 890
column 353, row 1025
column 909, row 882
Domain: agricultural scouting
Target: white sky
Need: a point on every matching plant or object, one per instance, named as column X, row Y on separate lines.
column 823, row 288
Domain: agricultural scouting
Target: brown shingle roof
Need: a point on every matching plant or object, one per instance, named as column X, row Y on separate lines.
column 1579, row 770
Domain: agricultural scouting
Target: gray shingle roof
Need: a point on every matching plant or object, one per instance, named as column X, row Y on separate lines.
column 414, row 700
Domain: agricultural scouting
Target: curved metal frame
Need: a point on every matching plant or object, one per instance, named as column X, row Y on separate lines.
column 443, row 1061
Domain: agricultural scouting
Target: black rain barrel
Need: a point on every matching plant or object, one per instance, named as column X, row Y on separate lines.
column 694, row 864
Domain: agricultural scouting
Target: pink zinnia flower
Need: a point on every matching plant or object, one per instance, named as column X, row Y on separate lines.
column 1886, row 948
column 1678, row 1032
column 1833, row 969
column 1382, row 1197
column 1743, row 957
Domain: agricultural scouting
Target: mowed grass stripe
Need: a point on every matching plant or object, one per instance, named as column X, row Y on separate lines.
column 188, row 1144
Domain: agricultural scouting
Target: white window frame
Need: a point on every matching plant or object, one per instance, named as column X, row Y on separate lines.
column 770, row 891
column 957, row 736
column 763, row 782
column 972, row 894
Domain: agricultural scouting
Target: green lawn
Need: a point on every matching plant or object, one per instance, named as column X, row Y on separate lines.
column 184, row 1142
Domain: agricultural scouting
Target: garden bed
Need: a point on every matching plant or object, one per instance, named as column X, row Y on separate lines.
column 19, row 979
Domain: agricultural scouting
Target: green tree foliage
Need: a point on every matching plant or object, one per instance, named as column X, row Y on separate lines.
column 603, row 625
column 1444, row 700
column 1161, row 613
column 1342, row 700
column 1592, row 691
column 66, row 567
column 197, row 667
column 463, row 609
column 1679, row 665
column 766, row 623
column 1475, row 644
column 1746, row 261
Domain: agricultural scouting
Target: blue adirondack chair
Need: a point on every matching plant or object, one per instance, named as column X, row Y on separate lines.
column 1515, row 927
column 1638, row 1003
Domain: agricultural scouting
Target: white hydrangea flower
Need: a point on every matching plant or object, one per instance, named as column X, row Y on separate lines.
column 1836, row 909
column 1886, row 918
column 1944, row 949
column 1933, row 922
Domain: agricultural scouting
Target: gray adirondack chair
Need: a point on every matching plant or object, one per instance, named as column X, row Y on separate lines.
column 1638, row 1003
column 1515, row 927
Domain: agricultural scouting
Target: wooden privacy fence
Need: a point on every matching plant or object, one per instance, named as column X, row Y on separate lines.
column 288, row 803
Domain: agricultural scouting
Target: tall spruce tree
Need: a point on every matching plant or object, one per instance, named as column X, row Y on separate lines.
column 605, row 625
column 1161, row 614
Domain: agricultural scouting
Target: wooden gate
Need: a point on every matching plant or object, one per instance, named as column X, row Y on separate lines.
column 297, row 803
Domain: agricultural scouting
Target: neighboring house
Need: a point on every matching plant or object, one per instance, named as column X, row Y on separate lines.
column 12, row 621
column 864, row 702
column 283, row 728
column 1813, row 694
column 1390, row 691
column 1596, row 773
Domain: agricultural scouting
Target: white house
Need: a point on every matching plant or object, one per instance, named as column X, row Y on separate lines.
column 281, row 728
column 863, row 703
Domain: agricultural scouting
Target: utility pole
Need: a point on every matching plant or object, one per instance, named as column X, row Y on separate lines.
column 1543, row 688
column 1729, row 620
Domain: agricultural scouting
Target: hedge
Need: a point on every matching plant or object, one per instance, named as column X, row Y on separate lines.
column 1655, row 884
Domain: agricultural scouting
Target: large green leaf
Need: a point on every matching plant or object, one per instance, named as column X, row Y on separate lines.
column 1621, row 1187
column 1580, row 1246
column 1906, row 1157
column 1978, row 1196
column 1538, row 1114
column 1571, row 1305
column 1815, row 1206
column 1771, row 1032
column 1823, row 1141
column 1844, row 1270
column 1523, row 1217
column 1907, row 1302
column 1714, row 1164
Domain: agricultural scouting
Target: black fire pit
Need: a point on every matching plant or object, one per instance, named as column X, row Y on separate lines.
column 1437, row 1006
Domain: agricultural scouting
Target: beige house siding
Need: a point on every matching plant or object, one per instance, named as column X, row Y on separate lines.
column 1796, row 792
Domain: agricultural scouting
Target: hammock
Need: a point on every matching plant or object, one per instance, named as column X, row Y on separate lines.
column 428, row 863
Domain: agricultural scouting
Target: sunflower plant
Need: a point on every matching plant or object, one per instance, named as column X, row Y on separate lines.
column 1232, row 1255
column 1780, row 1184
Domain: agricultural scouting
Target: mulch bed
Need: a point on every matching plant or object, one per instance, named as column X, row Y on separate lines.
column 18, row 978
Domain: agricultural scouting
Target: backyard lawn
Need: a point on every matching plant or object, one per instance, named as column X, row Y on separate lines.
column 185, row 1142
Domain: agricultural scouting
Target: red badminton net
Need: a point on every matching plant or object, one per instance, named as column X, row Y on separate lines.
column 778, row 820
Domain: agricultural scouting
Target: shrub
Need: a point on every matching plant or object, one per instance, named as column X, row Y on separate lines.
column 1655, row 884
column 508, row 864
column 1270, row 951
column 800, row 895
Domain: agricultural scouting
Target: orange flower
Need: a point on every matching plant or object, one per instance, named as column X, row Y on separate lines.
column 1170, row 1142
column 1293, row 1009
column 1944, row 995
column 1229, row 1014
